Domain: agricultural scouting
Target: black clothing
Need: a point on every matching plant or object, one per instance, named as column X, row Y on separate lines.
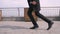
column 36, row 8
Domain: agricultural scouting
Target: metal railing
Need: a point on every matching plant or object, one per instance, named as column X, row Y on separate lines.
column 47, row 11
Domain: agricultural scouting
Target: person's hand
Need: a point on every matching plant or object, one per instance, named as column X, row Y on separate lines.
column 34, row 2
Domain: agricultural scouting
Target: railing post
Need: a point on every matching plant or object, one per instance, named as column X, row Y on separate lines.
column 0, row 15
column 18, row 12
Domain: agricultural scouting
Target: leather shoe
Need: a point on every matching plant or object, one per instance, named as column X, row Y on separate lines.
column 50, row 25
column 34, row 27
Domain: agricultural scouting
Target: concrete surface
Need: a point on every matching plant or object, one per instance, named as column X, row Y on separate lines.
column 21, row 27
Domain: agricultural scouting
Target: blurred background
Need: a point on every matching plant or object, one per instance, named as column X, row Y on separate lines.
column 15, row 9
column 14, row 19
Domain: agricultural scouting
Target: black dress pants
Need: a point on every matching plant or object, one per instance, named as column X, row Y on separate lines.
column 30, row 10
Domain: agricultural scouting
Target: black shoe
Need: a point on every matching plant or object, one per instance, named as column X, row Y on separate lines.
column 34, row 27
column 50, row 25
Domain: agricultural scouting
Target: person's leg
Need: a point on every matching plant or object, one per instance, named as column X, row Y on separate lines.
column 42, row 17
column 45, row 19
column 32, row 18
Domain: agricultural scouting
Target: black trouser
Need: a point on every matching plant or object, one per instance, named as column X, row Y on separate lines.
column 37, row 14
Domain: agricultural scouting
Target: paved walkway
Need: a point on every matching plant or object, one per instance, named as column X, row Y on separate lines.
column 21, row 27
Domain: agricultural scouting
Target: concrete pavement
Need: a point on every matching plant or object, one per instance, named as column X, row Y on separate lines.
column 21, row 27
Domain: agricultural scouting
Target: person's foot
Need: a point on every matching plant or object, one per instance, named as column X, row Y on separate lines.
column 34, row 27
column 50, row 25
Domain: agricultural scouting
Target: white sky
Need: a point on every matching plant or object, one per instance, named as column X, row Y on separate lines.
column 13, row 3
column 23, row 3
